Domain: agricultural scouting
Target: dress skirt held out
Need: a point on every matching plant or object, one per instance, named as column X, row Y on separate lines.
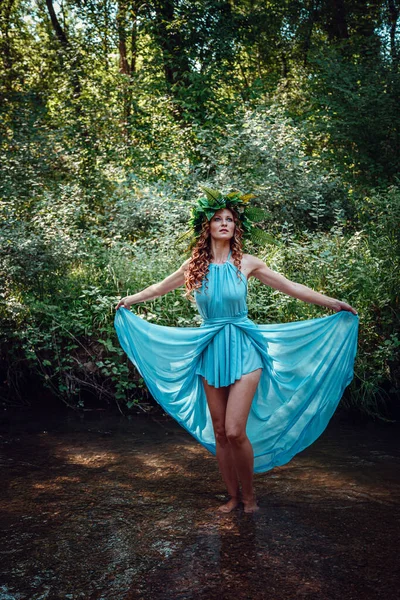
column 306, row 366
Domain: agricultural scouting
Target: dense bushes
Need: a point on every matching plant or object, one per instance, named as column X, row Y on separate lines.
column 89, row 215
column 65, row 267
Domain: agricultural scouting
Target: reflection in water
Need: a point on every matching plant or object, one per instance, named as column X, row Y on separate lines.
column 116, row 510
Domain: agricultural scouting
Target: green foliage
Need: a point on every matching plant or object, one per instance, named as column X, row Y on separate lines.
column 66, row 337
column 112, row 119
column 266, row 152
column 360, row 269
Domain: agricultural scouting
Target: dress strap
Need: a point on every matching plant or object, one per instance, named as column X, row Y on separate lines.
column 229, row 255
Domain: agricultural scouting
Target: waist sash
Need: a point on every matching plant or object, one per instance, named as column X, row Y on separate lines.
column 238, row 318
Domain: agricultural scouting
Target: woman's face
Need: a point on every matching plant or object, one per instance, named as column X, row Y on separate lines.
column 222, row 225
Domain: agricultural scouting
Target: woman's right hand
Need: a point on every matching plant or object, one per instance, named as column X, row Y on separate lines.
column 124, row 302
column 157, row 289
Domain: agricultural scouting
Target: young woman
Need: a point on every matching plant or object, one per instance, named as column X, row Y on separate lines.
column 288, row 378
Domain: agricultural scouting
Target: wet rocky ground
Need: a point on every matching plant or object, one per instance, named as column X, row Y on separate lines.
column 106, row 509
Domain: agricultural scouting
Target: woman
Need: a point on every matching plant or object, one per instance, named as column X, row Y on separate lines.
column 244, row 369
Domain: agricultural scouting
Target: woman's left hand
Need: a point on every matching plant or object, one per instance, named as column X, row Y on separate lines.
column 338, row 305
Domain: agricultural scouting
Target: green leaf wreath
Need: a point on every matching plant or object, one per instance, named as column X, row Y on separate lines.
column 214, row 200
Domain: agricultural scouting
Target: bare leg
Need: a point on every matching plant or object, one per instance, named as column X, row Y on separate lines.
column 241, row 394
column 217, row 399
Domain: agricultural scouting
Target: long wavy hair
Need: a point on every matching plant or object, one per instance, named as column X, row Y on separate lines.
column 201, row 255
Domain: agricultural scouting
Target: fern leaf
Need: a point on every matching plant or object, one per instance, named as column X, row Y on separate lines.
column 212, row 195
column 184, row 236
column 259, row 236
column 255, row 214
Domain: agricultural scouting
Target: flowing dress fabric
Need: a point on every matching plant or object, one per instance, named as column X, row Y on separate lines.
column 306, row 366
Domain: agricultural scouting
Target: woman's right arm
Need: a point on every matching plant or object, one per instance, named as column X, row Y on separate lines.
column 156, row 290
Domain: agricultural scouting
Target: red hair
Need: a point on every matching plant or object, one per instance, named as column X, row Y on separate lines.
column 201, row 255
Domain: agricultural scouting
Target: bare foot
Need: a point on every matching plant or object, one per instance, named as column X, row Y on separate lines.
column 250, row 506
column 229, row 506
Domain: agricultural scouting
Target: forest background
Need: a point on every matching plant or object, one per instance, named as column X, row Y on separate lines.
column 114, row 112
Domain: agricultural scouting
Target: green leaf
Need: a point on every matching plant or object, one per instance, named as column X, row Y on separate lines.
column 212, row 195
column 209, row 213
column 185, row 235
column 256, row 214
column 259, row 236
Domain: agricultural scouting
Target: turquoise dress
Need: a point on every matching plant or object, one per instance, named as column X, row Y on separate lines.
column 306, row 366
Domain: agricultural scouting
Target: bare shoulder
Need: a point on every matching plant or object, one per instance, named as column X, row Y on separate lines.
column 184, row 266
column 250, row 264
column 249, row 259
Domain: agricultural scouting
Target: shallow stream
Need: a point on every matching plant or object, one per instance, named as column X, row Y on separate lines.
column 107, row 509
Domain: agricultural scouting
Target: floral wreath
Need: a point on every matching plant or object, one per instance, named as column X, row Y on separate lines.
column 213, row 201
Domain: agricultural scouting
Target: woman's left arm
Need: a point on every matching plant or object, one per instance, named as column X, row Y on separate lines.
column 258, row 269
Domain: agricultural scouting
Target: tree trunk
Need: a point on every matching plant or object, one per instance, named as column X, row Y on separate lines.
column 87, row 141
column 310, row 27
column 337, row 23
column 63, row 39
column 393, row 17
column 5, row 44
column 124, row 66
column 134, row 9
column 170, row 40
column 127, row 9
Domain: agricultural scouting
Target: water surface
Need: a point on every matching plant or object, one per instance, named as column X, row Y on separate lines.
column 116, row 510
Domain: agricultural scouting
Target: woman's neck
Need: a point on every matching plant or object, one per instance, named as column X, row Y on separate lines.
column 220, row 250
